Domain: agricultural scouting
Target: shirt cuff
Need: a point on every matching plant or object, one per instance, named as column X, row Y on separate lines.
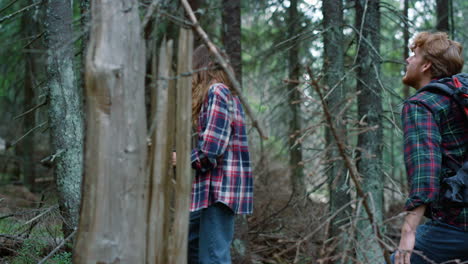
column 414, row 202
column 201, row 162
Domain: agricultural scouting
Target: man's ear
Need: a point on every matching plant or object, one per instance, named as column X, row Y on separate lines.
column 426, row 66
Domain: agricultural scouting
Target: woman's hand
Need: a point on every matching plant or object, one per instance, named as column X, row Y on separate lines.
column 174, row 159
column 407, row 241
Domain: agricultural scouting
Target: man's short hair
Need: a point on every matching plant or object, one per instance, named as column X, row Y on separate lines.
column 445, row 54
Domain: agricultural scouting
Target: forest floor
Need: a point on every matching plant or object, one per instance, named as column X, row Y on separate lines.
column 286, row 230
column 30, row 225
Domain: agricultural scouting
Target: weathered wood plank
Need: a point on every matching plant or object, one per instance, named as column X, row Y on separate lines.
column 113, row 216
column 178, row 243
column 161, row 187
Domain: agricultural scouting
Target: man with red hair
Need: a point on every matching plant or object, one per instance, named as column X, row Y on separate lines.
column 435, row 141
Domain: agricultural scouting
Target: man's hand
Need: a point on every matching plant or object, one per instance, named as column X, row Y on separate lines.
column 408, row 235
column 174, row 159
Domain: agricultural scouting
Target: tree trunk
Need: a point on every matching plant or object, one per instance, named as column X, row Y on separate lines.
column 182, row 187
column 442, row 10
column 370, row 142
column 334, row 71
column 231, row 36
column 195, row 4
column 26, row 147
column 295, row 147
column 406, row 43
column 65, row 110
column 113, row 215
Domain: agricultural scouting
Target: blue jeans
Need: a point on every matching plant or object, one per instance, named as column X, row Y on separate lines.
column 439, row 242
column 210, row 235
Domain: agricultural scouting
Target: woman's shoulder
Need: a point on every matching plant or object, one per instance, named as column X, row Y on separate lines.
column 219, row 89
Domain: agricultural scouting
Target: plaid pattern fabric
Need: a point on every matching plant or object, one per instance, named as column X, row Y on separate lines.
column 221, row 157
column 435, row 131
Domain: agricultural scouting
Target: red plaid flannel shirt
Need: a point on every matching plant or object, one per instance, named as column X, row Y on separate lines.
column 221, row 156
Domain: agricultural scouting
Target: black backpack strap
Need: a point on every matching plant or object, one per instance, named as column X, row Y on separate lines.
column 438, row 87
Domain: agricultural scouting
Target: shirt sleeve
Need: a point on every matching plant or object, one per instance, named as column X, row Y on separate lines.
column 215, row 138
column 422, row 154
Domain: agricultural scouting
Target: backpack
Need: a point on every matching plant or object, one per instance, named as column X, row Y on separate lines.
column 454, row 187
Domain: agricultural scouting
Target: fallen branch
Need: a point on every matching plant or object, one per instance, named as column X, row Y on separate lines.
column 349, row 164
column 236, row 86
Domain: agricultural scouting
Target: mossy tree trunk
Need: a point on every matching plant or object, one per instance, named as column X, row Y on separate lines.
column 65, row 110
column 370, row 140
column 333, row 68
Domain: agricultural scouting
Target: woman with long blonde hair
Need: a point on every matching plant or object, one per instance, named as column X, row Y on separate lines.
column 223, row 184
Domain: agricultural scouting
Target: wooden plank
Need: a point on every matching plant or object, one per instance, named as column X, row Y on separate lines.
column 178, row 243
column 161, row 188
column 112, row 226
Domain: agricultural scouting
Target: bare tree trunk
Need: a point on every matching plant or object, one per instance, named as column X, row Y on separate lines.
column 65, row 110
column 370, row 142
column 334, row 71
column 406, row 42
column 26, row 147
column 182, row 187
column 195, row 4
column 231, row 35
column 113, row 219
column 295, row 148
column 442, row 10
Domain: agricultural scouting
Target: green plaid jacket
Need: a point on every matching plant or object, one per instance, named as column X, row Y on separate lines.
column 435, row 131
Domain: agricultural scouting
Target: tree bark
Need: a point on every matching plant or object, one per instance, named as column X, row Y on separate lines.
column 182, row 187
column 442, row 11
column 26, row 147
column 334, row 71
column 113, row 219
column 65, row 110
column 295, row 147
column 231, row 35
column 370, row 142
column 406, row 43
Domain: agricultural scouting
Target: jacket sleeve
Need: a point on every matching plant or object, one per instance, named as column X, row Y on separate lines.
column 214, row 140
column 422, row 153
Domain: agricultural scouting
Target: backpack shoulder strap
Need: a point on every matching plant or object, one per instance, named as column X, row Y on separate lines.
column 438, row 87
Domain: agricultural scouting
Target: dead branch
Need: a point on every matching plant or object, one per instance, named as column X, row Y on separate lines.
column 27, row 133
column 8, row 6
column 18, row 12
column 213, row 49
column 308, row 236
column 151, row 10
column 30, row 110
column 349, row 164
column 57, row 248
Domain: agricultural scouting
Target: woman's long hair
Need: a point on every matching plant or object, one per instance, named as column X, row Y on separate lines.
column 207, row 71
